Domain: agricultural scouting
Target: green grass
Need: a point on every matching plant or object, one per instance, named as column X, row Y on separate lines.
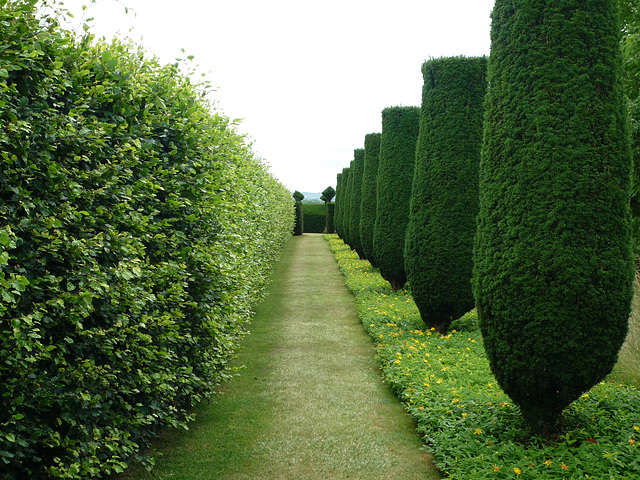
column 627, row 370
column 310, row 404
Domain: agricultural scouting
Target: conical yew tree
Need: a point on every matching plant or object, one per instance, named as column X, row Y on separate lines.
column 444, row 201
column 553, row 264
column 400, row 127
column 368, row 202
column 355, row 176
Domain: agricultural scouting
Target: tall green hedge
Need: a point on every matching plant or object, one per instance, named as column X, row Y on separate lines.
column 315, row 217
column 400, row 127
column 136, row 233
column 444, row 200
column 368, row 202
column 553, row 264
column 355, row 182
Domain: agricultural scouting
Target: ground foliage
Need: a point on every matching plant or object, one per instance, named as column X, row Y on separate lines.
column 470, row 426
column 136, row 232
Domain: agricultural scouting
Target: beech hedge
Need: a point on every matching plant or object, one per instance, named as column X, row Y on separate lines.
column 137, row 229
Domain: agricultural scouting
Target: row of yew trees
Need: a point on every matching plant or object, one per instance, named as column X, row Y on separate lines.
column 509, row 190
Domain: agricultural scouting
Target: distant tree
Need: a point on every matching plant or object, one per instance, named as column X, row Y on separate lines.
column 553, row 265
column 368, row 202
column 395, row 175
column 438, row 255
column 355, row 179
column 328, row 194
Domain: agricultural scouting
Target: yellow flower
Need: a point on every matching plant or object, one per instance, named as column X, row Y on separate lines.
column 548, row 462
column 636, row 428
column 496, row 468
column 564, row 467
column 478, row 431
column 517, row 470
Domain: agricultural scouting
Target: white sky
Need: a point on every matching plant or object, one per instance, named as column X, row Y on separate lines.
column 309, row 78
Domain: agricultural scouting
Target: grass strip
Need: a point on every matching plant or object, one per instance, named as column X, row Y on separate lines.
column 310, row 402
column 469, row 424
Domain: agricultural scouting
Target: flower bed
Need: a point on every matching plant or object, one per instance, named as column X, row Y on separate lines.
column 470, row 426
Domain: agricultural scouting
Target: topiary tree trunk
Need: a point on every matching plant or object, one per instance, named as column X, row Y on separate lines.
column 400, row 127
column 553, row 265
column 368, row 201
column 444, row 200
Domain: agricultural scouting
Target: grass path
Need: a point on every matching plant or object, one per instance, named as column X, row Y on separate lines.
column 310, row 403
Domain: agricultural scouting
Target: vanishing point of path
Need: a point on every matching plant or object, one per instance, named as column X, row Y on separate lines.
column 311, row 403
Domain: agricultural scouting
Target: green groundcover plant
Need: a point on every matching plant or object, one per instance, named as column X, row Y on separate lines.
column 472, row 428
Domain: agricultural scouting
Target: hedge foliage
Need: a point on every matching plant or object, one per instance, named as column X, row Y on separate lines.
column 330, row 226
column 337, row 214
column 355, row 196
column 400, row 126
column 438, row 254
column 315, row 217
column 346, row 206
column 136, row 232
column 553, row 264
column 369, row 199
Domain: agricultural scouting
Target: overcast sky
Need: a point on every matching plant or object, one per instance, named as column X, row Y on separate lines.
column 309, row 79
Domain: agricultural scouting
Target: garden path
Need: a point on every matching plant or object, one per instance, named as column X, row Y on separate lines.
column 311, row 402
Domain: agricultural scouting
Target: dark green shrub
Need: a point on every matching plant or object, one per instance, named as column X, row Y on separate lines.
column 337, row 219
column 355, row 185
column 130, row 259
column 438, row 254
column 328, row 194
column 368, row 202
column 346, row 211
column 315, row 217
column 553, row 265
column 298, row 228
column 341, row 202
column 330, row 227
column 400, row 127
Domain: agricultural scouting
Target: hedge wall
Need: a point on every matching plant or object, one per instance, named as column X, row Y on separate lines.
column 438, row 255
column 553, row 263
column 315, row 217
column 136, row 232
